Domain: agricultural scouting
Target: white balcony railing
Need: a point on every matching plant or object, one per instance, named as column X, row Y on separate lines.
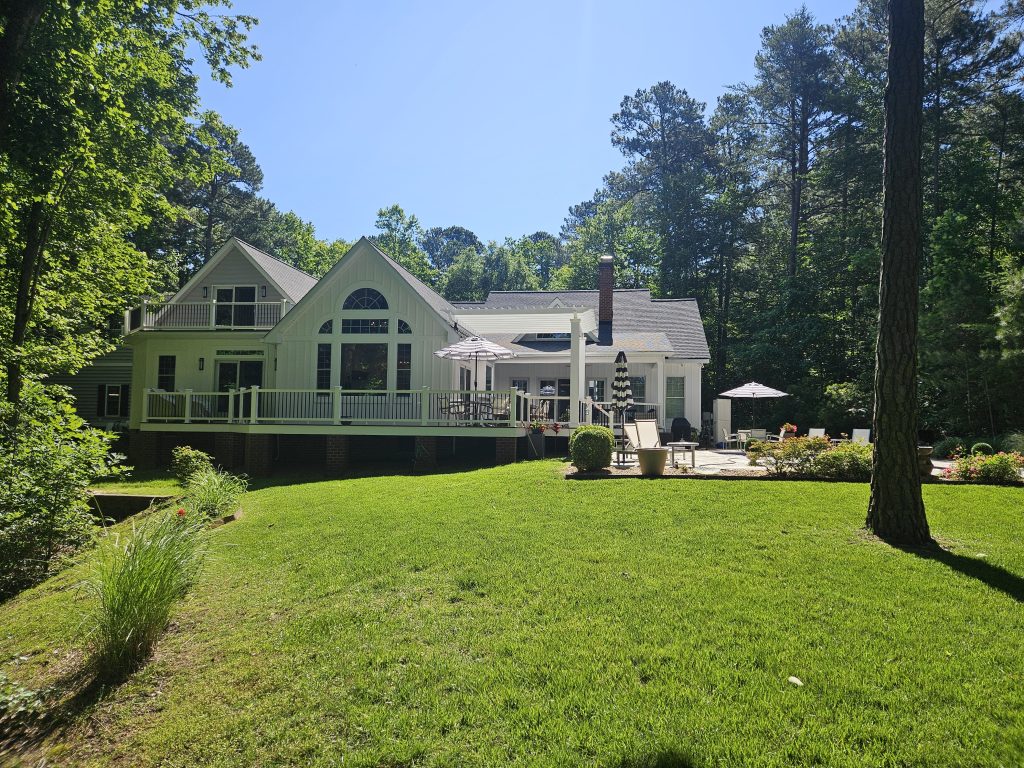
column 231, row 315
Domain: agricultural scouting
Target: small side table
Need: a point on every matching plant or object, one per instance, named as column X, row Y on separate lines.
column 684, row 447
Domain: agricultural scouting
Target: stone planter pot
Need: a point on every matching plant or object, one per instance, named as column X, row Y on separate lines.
column 652, row 461
column 924, row 460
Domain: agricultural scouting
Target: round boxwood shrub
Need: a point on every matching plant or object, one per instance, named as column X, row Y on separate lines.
column 983, row 448
column 187, row 461
column 590, row 447
column 948, row 446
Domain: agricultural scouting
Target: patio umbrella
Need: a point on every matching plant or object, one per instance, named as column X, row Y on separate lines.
column 622, row 393
column 754, row 391
column 475, row 348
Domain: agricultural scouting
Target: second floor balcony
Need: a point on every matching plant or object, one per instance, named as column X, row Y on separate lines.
column 208, row 315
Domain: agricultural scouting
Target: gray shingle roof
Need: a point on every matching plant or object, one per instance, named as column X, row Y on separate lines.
column 624, row 340
column 635, row 313
column 294, row 282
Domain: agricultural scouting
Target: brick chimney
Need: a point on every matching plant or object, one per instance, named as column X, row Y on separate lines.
column 605, row 286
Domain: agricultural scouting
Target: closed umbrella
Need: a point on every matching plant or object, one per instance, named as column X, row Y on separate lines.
column 622, row 393
column 754, row 392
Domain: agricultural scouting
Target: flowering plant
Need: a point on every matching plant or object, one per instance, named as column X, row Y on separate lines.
column 556, row 427
column 537, row 426
column 787, row 427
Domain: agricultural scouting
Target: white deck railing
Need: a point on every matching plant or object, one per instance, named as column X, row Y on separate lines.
column 256, row 405
column 344, row 407
column 152, row 315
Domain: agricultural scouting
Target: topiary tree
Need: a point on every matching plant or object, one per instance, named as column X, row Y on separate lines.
column 591, row 446
column 982, row 448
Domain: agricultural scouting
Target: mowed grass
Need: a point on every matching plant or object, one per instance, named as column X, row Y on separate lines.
column 508, row 617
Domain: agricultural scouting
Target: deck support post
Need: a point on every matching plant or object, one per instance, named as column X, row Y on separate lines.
column 425, row 406
column 188, row 406
column 255, row 404
column 425, row 454
column 577, row 370
column 337, row 454
column 336, row 405
column 505, row 450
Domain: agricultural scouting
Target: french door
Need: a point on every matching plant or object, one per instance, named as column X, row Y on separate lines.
column 236, row 306
column 238, row 374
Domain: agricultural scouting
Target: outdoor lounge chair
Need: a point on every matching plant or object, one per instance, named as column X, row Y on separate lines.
column 728, row 440
column 777, row 438
column 650, row 435
column 862, row 436
column 816, row 432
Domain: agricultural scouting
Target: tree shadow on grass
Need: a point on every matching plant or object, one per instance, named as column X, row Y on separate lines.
column 664, row 758
column 994, row 576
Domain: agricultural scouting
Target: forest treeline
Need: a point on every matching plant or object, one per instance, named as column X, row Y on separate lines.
column 766, row 207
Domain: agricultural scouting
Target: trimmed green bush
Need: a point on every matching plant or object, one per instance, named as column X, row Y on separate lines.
column 1000, row 469
column 136, row 581
column 948, row 446
column 591, row 446
column 982, row 448
column 846, row 461
column 213, row 493
column 1012, row 442
column 187, row 461
column 792, row 456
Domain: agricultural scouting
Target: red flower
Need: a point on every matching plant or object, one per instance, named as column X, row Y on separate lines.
column 181, row 513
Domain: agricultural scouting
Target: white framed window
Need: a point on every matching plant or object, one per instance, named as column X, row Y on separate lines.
column 523, row 385
column 236, row 305
column 638, row 386
column 675, row 397
column 596, row 390
column 112, row 401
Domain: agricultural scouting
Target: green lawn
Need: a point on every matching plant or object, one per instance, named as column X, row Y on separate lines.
column 142, row 482
column 507, row 616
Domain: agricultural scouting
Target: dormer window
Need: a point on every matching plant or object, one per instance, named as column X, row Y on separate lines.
column 365, row 298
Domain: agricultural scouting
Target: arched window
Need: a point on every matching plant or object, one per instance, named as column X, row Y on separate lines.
column 327, row 327
column 404, row 327
column 365, row 298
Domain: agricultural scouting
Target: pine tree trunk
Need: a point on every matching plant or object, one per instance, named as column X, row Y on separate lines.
column 896, row 510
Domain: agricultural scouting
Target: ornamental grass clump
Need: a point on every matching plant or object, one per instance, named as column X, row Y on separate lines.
column 213, row 493
column 136, row 581
column 590, row 447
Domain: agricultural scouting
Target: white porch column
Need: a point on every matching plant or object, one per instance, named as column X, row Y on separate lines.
column 577, row 370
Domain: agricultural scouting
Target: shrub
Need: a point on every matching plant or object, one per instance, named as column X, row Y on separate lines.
column 136, row 580
column 846, row 461
column 213, row 493
column 982, row 448
column 1002, row 468
column 948, row 446
column 49, row 458
column 187, row 461
column 1012, row 442
column 794, row 455
column 590, row 447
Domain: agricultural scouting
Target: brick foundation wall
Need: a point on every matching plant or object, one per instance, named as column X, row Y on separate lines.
column 259, row 455
column 229, row 450
column 143, row 449
column 505, row 450
column 337, row 454
column 425, row 454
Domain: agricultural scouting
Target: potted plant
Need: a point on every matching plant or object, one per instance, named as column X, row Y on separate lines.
column 537, row 427
column 536, row 438
column 789, row 430
column 652, row 461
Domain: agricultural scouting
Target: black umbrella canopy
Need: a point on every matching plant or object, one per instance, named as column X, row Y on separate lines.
column 622, row 394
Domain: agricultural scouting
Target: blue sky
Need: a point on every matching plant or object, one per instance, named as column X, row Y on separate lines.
column 493, row 116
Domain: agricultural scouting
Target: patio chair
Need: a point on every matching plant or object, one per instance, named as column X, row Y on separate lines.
column 816, row 432
column 631, row 441
column 777, row 438
column 650, row 435
column 759, row 434
column 862, row 436
column 728, row 440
